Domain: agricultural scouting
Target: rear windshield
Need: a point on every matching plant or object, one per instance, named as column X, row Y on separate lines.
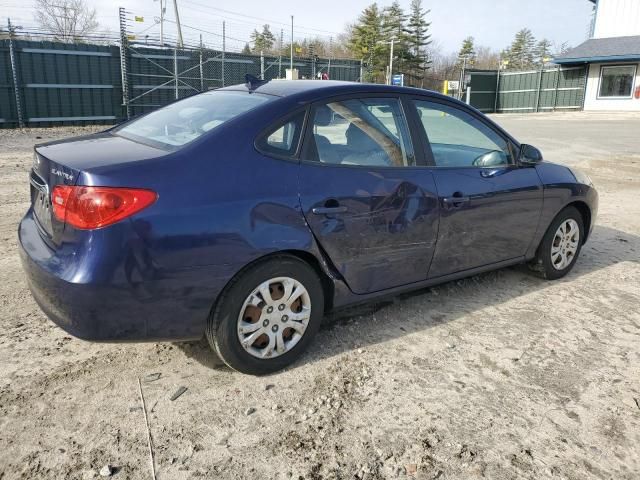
column 184, row 121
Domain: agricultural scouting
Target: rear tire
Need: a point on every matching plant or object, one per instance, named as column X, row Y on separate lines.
column 560, row 246
column 267, row 316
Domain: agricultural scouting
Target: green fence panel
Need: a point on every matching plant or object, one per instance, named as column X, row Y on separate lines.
column 8, row 112
column 530, row 91
column 61, row 84
column 483, row 89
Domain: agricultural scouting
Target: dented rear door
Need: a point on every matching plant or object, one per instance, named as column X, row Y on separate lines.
column 371, row 208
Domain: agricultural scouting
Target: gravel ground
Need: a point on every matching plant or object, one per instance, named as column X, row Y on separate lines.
column 498, row 376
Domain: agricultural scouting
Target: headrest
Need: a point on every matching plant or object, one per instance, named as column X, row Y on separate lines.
column 324, row 116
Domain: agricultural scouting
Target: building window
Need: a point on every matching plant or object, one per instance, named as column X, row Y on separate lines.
column 617, row 82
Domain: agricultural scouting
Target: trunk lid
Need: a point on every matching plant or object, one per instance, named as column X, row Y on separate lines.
column 61, row 163
column 44, row 177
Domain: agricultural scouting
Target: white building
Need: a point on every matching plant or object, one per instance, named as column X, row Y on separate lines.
column 612, row 55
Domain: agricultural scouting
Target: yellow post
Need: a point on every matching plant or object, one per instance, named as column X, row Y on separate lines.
column 445, row 87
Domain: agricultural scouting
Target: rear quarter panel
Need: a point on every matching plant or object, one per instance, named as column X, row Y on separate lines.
column 221, row 205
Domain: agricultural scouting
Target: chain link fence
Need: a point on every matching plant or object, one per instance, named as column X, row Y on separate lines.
column 45, row 83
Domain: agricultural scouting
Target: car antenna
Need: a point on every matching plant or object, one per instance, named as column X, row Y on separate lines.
column 253, row 82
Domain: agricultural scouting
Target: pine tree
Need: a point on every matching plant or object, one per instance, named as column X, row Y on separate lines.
column 394, row 26
column 247, row 49
column 419, row 39
column 263, row 41
column 366, row 41
column 543, row 51
column 521, row 54
column 467, row 51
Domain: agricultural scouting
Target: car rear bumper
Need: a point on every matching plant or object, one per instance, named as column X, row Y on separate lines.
column 73, row 290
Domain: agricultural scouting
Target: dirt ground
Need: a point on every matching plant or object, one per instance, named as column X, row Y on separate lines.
column 499, row 376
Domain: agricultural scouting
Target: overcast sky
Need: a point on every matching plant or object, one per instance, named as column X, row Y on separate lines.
column 492, row 22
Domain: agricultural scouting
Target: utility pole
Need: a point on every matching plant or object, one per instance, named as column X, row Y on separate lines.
column 66, row 22
column 162, row 10
column 175, row 8
column 291, row 59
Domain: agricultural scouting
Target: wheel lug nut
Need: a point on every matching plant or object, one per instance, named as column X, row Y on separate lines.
column 281, row 307
column 274, row 329
column 285, row 318
column 269, row 309
column 265, row 323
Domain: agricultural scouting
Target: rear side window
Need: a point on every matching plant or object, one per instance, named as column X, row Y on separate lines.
column 458, row 139
column 182, row 122
column 365, row 131
column 283, row 138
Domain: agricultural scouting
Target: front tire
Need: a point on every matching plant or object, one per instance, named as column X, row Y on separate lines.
column 267, row 316
column 560, row 246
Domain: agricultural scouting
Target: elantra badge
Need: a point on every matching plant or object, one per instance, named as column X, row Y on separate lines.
column 60, row 173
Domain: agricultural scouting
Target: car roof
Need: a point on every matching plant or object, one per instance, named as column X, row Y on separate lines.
column 312, row 89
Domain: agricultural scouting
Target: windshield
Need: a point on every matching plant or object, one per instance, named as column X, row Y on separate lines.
column 184, row 121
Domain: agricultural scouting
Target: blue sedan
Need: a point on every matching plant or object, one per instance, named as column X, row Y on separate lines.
column 246, row 213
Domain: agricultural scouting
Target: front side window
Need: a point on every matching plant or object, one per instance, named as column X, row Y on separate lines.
column 617, row 82
column 364, row 131
column 458, row 139
column 182, row 122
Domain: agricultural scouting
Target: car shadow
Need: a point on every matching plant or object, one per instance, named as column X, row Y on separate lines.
column 606, row 247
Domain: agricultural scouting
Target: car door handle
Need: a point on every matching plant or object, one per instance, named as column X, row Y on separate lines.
column 329, row 210
column 456, row 201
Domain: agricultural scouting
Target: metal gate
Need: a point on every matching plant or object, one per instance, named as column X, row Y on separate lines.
column 153, row 77
column 531, row 91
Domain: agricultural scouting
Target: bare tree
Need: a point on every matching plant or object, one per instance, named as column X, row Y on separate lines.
column 67, row 20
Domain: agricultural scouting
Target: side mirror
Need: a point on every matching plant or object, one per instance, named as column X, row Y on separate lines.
column 529, row 155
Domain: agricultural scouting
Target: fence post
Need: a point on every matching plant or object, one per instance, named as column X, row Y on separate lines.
column 313, row 63
column 224, row 47
column 280, row 53
column 175, row 70
column 586, row 80
column 14, row 75
column 361, row 70
column 539, row 88
column 261, row 65
column 201, row 70
column 124, row 74
column 495, row 104
column 555, row 91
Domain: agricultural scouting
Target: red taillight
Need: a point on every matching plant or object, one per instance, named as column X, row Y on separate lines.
column 94, row 207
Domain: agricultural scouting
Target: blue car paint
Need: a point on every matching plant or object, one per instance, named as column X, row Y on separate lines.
column 474, row 233
column 156, row 275
column 388, row 234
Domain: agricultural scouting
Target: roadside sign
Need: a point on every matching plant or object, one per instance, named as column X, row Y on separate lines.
column 453, row 85
column 398, row 80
